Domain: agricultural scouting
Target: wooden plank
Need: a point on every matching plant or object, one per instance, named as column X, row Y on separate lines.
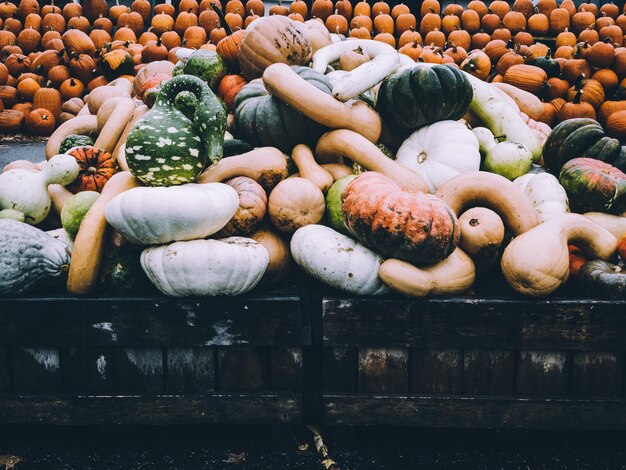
column 383, row 370
column 231, row 409
column 469, row 323
column 286, row 369
column 436, row 371
column 138, row 370
column 5, row 371
column 475, row 412
column 71, row 321
column 596, row 374
column 488, row 372
column 87, row 369
column 340, row 369
column 243, row 368
column 36, row 370
column 190, row 370
column 542, row 373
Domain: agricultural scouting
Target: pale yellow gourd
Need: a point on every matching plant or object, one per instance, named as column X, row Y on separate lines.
column 309, row 169
column 482, row 232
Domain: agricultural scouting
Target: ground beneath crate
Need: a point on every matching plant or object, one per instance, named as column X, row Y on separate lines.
column 250, row 448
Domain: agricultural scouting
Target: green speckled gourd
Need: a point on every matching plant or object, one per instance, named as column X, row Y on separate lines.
column 172, row 143
column 28, row 255
column 75, row 140
column 208, row 65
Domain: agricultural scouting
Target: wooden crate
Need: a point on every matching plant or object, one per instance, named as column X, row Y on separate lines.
column 473, row 363
column 239, row 360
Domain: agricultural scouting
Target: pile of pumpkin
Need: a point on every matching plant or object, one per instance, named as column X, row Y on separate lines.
column 334, row 160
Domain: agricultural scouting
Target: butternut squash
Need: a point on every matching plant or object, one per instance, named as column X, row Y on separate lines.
column 119, row 152
column 280, row 255
column 115, row 124
column 613, row 223
column 81, row 125
column 97, row 97
column 527, row 103
column 309, row 169
column 104, row 113
column 84, row 111
column 282, row 82
column 265, row 165
column 480, row 188
column 536, row 263
column 453, row 275
column 59, row 196
column 337, row 170
column 482, row 232
column 334, row 145
column 89, row 242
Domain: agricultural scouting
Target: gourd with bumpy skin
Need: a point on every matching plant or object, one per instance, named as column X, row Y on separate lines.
column 150, row 216
column 537, row 262
column 545, row 193
column 231, row 266
column 172, row 142
column 337, row 260
column 439, row 152
column 27, row 192
column 28, row 256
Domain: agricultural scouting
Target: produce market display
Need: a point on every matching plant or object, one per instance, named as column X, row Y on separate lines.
column 210, row 149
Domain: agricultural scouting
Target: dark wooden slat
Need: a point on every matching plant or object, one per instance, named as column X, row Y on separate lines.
column 243, row 368
column 542, row 373
column 383, row 370
column 488, row 372
column 207, row 409
column 340, row 369
column 36, row 370
column 286, row 369
column 436, row 371
column 467, row 323
column 190, row 370
column 5, row 371
column 138, row 370
column 71, row 321
column 474, row 412
column 596, row 374
column 87, row 369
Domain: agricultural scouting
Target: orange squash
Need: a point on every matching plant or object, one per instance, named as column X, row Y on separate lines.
column 96, row 168
column 40, row 122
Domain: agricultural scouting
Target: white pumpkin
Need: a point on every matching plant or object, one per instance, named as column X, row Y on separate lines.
column 337, row 260
column 545, row 193
column 440, row 152
column 230, row 266
column 156, row 215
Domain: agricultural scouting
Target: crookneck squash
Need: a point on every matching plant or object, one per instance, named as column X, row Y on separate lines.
column 172, row 142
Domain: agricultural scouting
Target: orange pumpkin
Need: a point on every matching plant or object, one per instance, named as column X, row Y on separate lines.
column 228, row 48
column 477, row 64
column 58, row 74
column 593, row 91
column 40, row 122
column 71, row 88
column 27, row 89
column 576, row 109
column 526, row 77
column 229, row 87
column 50, row 99
column 96, row 168
column 11, row 121
column 538, row 25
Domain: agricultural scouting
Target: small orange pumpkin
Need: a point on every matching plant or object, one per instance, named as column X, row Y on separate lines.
column 40, row 122
column 96, row 168
column 477, row 64
column 229, row 87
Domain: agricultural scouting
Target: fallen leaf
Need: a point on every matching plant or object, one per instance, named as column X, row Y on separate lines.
column 328, row 463
column 9, row 461
column 303, row 447
column 235, row 459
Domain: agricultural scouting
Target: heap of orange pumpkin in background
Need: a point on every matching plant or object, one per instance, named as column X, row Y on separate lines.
column 51, row 57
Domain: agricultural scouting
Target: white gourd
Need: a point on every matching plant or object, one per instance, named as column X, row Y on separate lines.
column 230, row 266
column 337, row 260
column 156, row 215
column 27, row 192
column 440, row 152
column 545, row 193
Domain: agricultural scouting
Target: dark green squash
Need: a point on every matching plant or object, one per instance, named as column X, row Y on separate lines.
column 263, row 120
column 236, row 147
column 116, row 63
column 576, row 138
column 603, row 279
column 594, row 186
column 422, row 95
column 75, row 140
column 548, row 65
column 207, row 65
column 121, row 272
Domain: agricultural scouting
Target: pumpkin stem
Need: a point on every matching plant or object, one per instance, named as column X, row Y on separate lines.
column 578, row 85
column 500, row 138
column 578, row 96
column 225, row 25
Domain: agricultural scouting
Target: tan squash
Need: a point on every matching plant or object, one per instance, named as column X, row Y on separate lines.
column 528, row 103
column 482, row 232
column 537, row 262
column 115, row 125
column 119, row 87
column 81, row 125
column 294, row 203
column 89, row 242
column 119, row 152
column 480, row 188
column 59, row 196
column 335, row 145
column 309, row 169
column 453, row 275
column 337, row 170
column 282, row 82
column 613, row 223
column 280, row 255
column 265, row 165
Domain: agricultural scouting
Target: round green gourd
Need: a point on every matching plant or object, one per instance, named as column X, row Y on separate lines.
column 75, row 140
column 422, row 95
column 334, row 212
column 116, row 63
column 263, row 120
column 75, row 210
column 172, row 142
column 121, row 272
column 207, row 65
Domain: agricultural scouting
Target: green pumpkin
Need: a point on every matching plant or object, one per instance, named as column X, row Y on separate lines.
column 172, row 142
column 75, row 140
column 579, row 137
column 207, row 65
column 116, row 63
column 121, row 272
column 603, row 279
column 422, row 95
column 548, row 65
column 263, row 120
column 594, row 186
column 234, row 147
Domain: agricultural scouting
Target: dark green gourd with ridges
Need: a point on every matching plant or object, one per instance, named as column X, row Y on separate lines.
column 172, row 143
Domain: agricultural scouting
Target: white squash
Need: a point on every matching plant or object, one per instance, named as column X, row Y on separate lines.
column 337, row 260
column 230, row 266
column 440, row 152
column 156, row 215
column 545, row 193
column 27, row 192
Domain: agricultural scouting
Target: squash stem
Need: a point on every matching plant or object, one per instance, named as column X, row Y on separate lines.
column 222, row 19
